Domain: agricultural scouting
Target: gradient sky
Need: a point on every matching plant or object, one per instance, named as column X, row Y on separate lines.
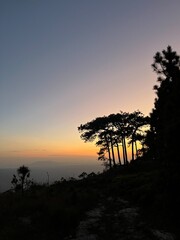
column 66, row 62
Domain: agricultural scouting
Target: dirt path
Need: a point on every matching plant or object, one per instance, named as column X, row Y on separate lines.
column 115, row 219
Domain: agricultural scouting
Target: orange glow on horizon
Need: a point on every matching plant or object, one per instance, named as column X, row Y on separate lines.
column 80, row 149
column 50, row 149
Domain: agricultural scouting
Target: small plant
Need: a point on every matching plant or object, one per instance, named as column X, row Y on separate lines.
column 21, row 181
column 83, row 175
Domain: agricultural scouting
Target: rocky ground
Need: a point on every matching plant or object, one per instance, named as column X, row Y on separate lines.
column 115, row 219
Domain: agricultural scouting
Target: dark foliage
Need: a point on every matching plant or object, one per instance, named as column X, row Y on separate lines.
column 115, row 132
column 165, row 117
column 21, row 181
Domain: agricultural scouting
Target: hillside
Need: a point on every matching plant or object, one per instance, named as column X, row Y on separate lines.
column 58, row 211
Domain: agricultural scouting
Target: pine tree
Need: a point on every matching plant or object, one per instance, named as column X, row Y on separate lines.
column 165, row 117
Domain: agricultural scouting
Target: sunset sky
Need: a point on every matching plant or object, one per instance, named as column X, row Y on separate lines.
column 66, row 62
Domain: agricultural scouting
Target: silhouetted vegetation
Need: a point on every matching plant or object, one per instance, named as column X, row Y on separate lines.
column 161, row 141
column 165, row 116
column 21, row 181
column 150, row 181
column 115, row 131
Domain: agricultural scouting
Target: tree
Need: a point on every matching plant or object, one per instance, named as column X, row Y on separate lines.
column 128, row 127
column 111, row 132
column 165, row 117
column 120, row 123
column 137, row 122
column 22, row 180
column 98, row 129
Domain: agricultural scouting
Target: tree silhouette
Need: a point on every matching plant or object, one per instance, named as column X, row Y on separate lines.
column 22, row 181
column 114, row 131
column 165, row 117
column 104, row 145
column 120, row 123
column 128, row 127
column 137, row 123
column 98, row 129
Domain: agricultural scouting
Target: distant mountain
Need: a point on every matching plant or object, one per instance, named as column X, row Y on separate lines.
column 40, row 164
column 43, row 171
column 62, row 163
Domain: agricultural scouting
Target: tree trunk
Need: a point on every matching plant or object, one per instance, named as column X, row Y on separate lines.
column 132, row 147
column 118, row 152
column 136, row 149
column 109, row 153
column 113, row 156
column 110, row 159
column 125, row 151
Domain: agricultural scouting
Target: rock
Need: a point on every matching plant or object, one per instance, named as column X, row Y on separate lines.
column 129, row 213
column 161, row 235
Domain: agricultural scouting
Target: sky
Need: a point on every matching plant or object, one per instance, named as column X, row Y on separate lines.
column 64, row 63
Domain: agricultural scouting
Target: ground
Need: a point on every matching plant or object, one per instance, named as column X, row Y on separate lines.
column 116, row 219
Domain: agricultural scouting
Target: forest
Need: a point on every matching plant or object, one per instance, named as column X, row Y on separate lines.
column 145, row 184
